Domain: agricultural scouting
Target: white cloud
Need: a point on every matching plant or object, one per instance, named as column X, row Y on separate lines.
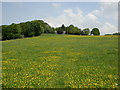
column 74, row 17
column 56, row 5
column 108, row 10
column 108, row 28
column 77, row 18
column 68, row 17
column 91, row 16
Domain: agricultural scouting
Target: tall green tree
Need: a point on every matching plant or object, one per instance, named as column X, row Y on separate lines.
column 17, row 30
column 63, row 27
column 73, row 30
column 37, row 28
column 33, row 28
column 59, row 30
column 12, row 31
column 48, row 28
column 95, row 31
column 28, row 30
column 85, row 31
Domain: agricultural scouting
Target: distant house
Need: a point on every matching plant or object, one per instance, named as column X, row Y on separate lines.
column 62, row 33
column 55, row 32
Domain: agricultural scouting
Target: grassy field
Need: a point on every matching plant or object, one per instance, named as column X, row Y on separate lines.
column 60, row 61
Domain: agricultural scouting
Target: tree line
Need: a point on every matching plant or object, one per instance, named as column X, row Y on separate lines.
column 77, row 31
column 25, row 29
column 37, row 27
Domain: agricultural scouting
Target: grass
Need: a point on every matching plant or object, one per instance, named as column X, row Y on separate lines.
column 60, row 61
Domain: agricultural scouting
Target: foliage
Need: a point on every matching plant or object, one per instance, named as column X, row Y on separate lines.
column 86, row 31
column 48, row 28
column 63, row 27
column 12, row 31
column 95, row 31
column 33, row 28
column 26, row 29
column 108, row 34
column 37, row 27
column 73, row 30
column 59, row 30
column 116, row 33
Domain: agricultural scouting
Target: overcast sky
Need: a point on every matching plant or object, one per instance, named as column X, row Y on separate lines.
column 103, row 15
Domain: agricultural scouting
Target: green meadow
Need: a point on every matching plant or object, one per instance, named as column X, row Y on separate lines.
column 60, row 61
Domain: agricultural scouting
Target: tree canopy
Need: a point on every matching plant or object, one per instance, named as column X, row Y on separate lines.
column 85, row 31
column 25, row 29
column 37, row 27
column 73, row 30
column 95, row 31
